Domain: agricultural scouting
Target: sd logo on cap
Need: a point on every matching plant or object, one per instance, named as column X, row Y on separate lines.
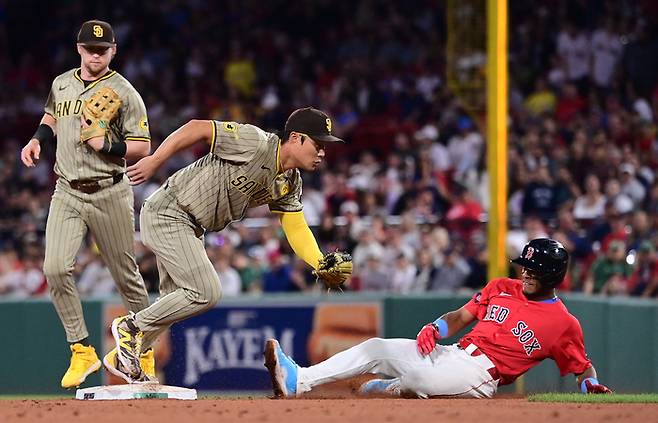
column 96, row 33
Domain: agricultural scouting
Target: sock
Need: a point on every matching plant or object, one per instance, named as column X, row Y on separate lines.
column 84, row 342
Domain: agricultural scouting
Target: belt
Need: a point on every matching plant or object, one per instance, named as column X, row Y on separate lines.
column 474, row 351
column 90, row 186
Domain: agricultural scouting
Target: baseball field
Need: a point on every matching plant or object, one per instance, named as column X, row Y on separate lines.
column 344, row 410
column 337, row 403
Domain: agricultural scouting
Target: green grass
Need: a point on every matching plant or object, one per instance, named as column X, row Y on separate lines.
column 595, row 399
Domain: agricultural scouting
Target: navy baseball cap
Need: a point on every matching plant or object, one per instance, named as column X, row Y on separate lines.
column 96, row 33
column 312, row 122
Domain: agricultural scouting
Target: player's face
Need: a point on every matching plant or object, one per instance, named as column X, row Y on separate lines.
column 96, row 59
column 531, row 285
column 310, row 153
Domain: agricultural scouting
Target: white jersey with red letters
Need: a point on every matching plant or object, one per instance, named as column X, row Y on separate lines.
column 517, row 334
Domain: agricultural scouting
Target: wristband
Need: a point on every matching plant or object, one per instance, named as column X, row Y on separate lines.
column 117, row 149
column 44, row 133
column 583, row 387
column 442, row 327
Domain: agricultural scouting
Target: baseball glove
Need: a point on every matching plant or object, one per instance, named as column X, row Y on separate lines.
column 335, row 269
column 98, row 112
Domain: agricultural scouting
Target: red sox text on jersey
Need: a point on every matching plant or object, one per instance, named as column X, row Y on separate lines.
column 524, row 334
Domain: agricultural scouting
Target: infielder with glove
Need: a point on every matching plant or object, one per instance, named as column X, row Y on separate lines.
column 519, row 324
column 99, row 120
column 245, row 167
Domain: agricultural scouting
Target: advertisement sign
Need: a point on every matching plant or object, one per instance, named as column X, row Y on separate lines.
column 222, row 349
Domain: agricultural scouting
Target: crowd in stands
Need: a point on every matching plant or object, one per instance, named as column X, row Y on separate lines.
column 408, row 194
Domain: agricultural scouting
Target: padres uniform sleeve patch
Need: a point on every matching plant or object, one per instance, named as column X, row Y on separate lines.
column 236, row 142
column 287, row 194
column 135, row 122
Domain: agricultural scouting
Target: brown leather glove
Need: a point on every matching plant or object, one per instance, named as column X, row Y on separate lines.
column 98, row 112
column 335, row 269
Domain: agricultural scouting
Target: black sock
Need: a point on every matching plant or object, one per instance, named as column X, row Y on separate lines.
column 84, row 342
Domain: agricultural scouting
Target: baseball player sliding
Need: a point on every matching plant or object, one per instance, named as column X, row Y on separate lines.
column 99, row 120
column 519, row 324
column 245, row 167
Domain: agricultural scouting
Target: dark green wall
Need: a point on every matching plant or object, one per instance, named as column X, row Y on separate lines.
column 35, row 354
column 621, row 337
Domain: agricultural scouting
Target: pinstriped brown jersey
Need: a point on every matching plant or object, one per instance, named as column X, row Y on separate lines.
column 79, row 161
column 239, row 172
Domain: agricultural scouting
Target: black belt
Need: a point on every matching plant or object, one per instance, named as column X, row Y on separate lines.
column 89, row 186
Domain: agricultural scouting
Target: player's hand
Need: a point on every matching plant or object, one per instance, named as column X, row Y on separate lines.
column 596, row 388
column 30, row 153
column 142, row 170
column 426, row 338
column 97, row 142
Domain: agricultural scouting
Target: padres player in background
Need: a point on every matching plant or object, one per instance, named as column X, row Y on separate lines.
column 245, row 167
column 91, row 192
column 519, row 324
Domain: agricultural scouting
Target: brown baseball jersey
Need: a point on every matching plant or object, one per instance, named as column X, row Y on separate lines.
column 75, row 160
column 108, row 214
column 240, row 171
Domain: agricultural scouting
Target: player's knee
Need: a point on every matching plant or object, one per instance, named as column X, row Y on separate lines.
column 209, row 295
column 56, row 271
column 214, row 295
column 374, row 345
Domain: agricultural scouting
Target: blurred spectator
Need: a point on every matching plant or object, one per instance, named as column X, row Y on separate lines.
column 542, row 100
column 575, row 239
column 425, row 271
column 613, row 194
column 465, row 147
column 249, row 272
column 403, row 275
column 465, row 214
column 606, row 53
column 630, row 186
column 452, row 273
column 95, row 279
column 574, row 50
column 21, row 279
column 640, row 230
column 279, row 277
column 373, row 275
column 591, row 204
column 569, row 105
column 477, row 277
column 610, row 272
column 229, row 278
column 539, row 196
column 644, row 279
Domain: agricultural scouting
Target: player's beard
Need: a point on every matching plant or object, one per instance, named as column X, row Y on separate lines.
column 96, row 69
column 535, row 291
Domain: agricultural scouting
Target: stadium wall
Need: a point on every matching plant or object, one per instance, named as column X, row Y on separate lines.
column 621, row 336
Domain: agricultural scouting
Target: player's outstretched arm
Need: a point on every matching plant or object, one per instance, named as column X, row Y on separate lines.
column 301, row 238
column 589, row 384
column 446, row 325
column 187, row 135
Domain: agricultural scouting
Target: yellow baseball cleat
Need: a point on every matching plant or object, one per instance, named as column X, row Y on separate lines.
column 146, row 361
column 84, row 362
